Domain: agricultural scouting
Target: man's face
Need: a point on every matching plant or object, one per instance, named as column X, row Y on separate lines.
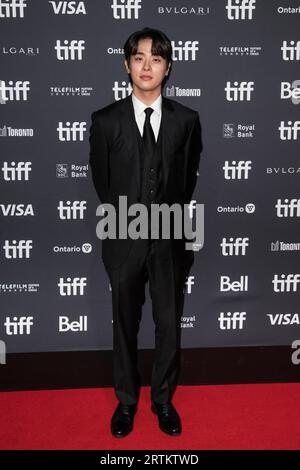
column 147, row 71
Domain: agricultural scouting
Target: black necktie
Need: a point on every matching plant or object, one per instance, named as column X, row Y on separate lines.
column 148, row 134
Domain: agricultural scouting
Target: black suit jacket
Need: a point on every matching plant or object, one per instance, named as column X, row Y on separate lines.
column 115, row 163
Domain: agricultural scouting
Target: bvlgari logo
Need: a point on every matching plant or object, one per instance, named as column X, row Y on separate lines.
column 20, row 51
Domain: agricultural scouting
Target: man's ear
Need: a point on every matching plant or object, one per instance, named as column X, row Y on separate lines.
column 126, row 65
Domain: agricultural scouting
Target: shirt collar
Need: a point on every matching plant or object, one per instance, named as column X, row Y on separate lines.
column 139, row 106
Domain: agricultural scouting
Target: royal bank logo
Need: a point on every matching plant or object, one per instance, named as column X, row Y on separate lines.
column 240, row 9
column 290, row 51
column 12, row 8
column 66, row 170
column 68, row 8
column 239, row 91
column 188, row 322
column 13, row 91
column 69, row 50
column 126, row 9
column 240, row 131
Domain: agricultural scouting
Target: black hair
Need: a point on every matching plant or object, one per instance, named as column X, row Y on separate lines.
column 161, row 45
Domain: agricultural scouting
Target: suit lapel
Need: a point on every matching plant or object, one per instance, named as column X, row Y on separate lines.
column 168, row 127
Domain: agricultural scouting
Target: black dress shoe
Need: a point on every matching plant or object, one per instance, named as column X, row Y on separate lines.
column 168, row 418
column 122, row 420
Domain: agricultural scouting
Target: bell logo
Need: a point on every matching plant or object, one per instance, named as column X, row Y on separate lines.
column 66, row 325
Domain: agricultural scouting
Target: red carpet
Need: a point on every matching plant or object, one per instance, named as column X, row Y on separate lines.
column 255, row 416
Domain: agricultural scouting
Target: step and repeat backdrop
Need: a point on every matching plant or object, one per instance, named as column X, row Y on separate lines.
column 237, row 63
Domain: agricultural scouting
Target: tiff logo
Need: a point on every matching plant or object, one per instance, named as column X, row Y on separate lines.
column 70, row 210
column 74, row 131
column 237, row 170
column 185, row 50
column 190, row 281
column 237, row 92
column 2, row 352
column 240, row 9
column 235, row 246
column 17, row 250
column 71, row 50
column 289, row 131
column 13, row 91
column 288, row 208
column 72, row 287
column 291, row 52
column 122, row 90
column 13, row 172
column 12, row 8
column 18, row 326
column 286, row 283
column 232, row 321
column 126, row 9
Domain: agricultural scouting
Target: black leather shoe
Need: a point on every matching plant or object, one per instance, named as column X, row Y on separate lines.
column 168, row 418
column 122, row 420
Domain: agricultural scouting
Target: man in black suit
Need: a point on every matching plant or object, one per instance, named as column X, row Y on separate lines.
column 146, row 147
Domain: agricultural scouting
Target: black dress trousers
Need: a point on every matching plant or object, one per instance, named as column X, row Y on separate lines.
column 148, row 261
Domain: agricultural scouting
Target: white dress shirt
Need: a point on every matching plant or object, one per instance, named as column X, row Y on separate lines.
column 140, row 116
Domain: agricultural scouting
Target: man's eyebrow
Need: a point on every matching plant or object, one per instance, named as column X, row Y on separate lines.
column 142, row 53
